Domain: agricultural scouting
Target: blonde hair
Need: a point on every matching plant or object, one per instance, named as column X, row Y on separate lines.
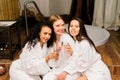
column 54, row 18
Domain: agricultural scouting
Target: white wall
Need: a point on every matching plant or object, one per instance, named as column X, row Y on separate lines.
column 60, row 6
column 48, row 7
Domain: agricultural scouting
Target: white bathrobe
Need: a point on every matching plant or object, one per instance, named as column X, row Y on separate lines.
column 63, row 57
column 31, row 64
column 87, row 61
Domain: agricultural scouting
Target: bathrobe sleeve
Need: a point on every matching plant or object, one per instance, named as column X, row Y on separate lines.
column 33, row 61
column 84, row 56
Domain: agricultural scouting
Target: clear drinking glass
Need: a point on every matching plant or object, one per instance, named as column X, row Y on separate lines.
column 58, row 46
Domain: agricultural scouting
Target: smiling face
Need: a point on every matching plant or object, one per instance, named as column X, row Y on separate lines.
column 59, row 27
column 45, row 34
column 74, row 28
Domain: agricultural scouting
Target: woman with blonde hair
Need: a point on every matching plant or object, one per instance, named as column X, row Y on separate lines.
column 63, row 44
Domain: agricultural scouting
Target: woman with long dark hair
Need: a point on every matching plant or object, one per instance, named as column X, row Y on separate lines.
column 86, row 63
column 33, row 60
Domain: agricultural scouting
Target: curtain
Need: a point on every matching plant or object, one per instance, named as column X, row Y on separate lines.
column 106, row 14
column 82, row 9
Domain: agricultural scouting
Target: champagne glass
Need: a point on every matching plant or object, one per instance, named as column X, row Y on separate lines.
column 58, row 46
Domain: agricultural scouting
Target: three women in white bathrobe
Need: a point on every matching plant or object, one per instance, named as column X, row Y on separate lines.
column 85, row 62
column 33, row 60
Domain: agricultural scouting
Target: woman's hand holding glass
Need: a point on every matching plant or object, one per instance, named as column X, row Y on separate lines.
column 53, row 55
column 57, row 49
column 68, row 49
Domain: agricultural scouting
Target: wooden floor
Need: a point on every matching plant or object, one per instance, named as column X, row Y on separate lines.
column 110, row 53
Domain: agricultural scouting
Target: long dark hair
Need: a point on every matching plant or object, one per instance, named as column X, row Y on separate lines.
column 82, row 33
column 34, row 37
